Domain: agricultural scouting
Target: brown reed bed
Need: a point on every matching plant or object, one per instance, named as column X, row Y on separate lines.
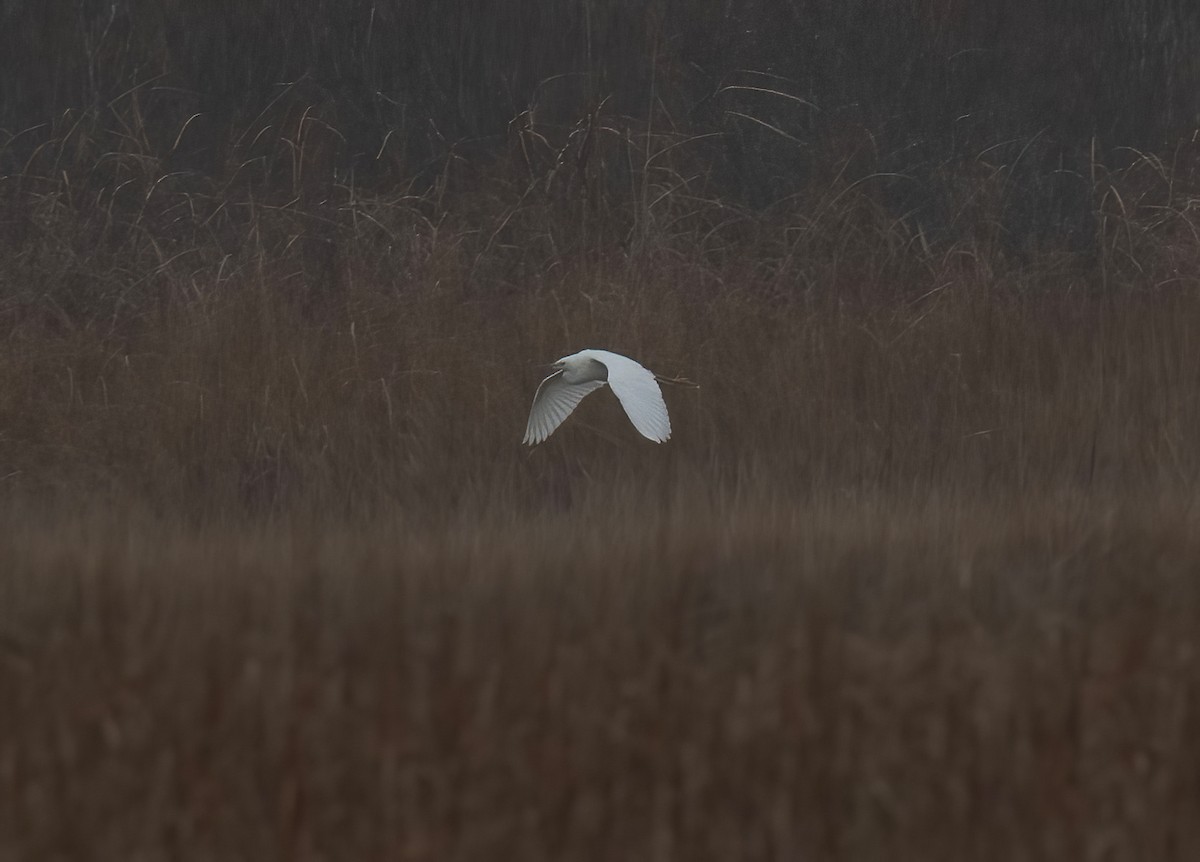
column 914, row 577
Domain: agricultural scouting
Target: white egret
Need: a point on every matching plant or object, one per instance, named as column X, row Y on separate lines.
column 586, row 371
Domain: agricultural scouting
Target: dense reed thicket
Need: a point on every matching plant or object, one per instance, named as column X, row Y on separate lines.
column 913, row 579
column 777, row 96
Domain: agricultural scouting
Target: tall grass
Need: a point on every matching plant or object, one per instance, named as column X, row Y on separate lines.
column 914, row 577
column 215, row 352
column 850, row 680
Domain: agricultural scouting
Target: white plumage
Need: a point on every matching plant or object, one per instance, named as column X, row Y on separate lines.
column 586, row 371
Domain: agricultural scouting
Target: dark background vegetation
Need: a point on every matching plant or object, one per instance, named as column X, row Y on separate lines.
column 915, row 577
column 921, row 88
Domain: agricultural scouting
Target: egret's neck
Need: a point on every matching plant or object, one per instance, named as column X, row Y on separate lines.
column 584, row 371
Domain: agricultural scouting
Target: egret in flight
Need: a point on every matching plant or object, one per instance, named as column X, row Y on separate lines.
column 588, row 370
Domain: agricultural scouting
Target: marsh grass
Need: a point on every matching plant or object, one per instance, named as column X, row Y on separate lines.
column 838, row 680
column 914, row 578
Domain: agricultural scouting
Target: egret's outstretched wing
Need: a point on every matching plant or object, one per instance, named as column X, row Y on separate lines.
column 639, row 394
column 554, row 401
